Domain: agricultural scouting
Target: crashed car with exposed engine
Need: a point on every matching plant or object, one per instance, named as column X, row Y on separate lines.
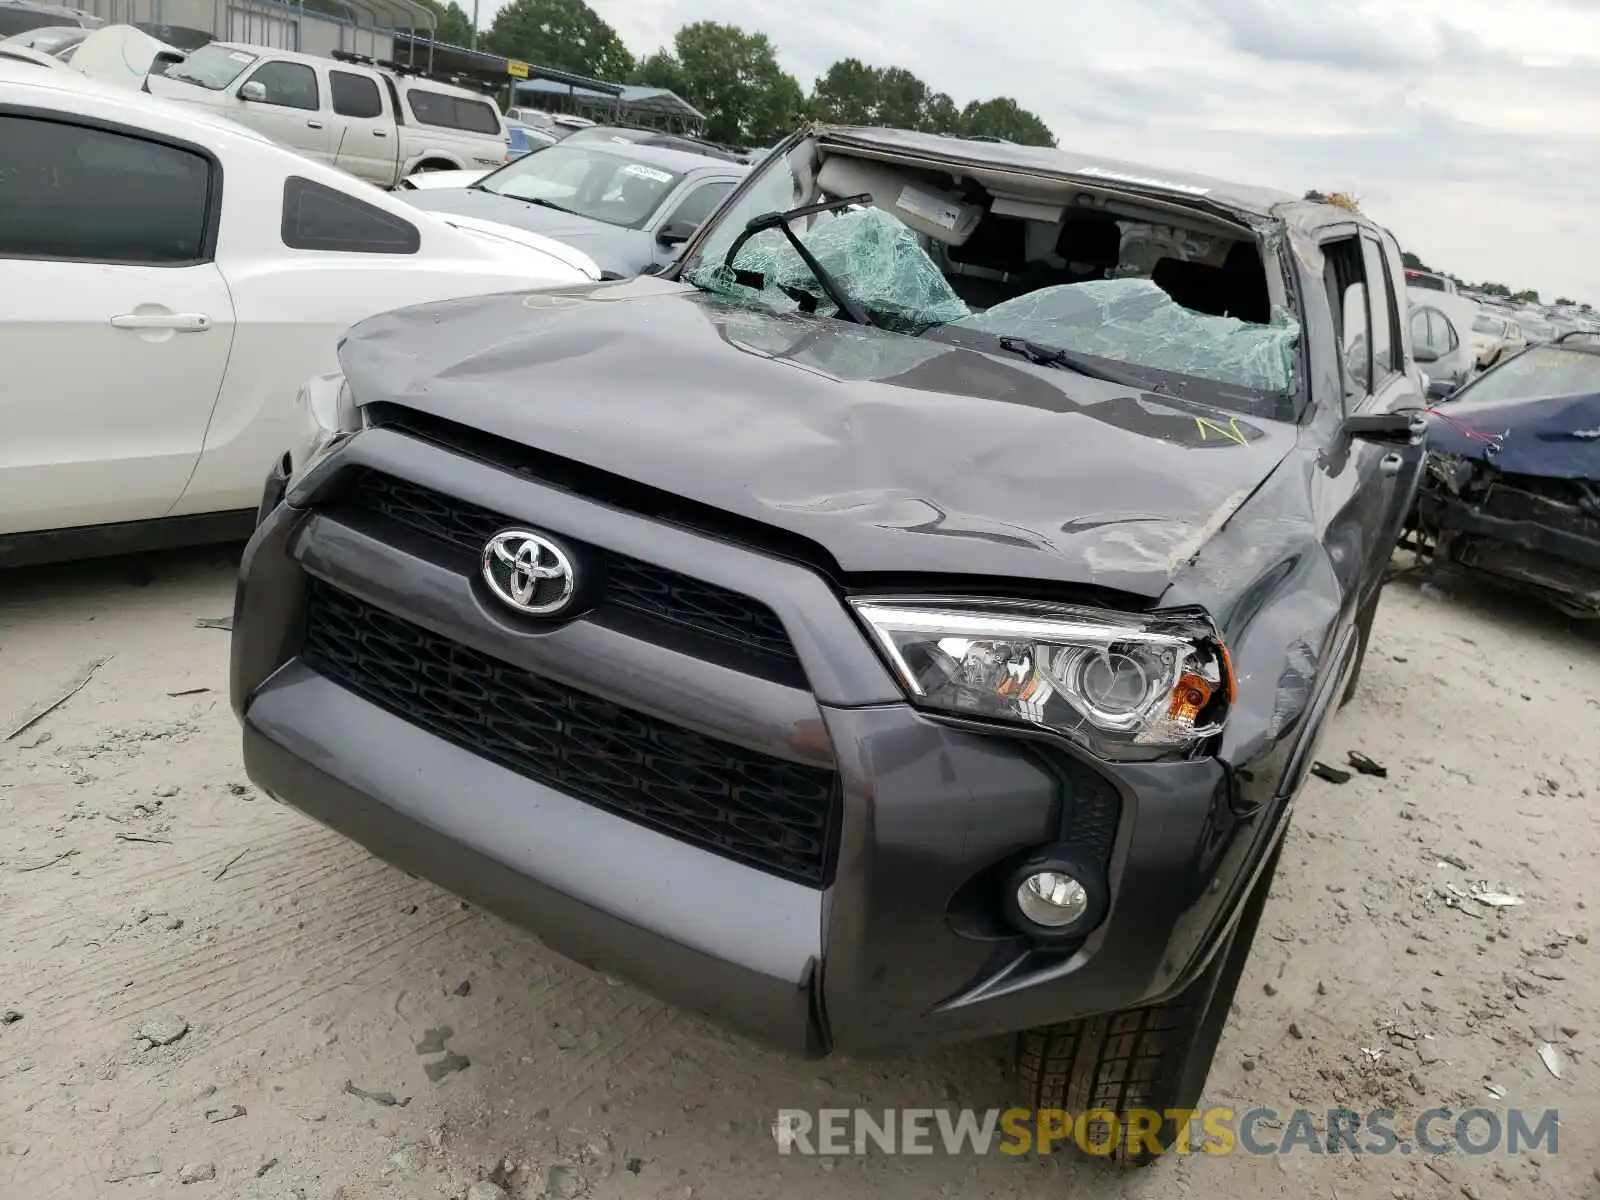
column 1512, row 488
column 909, row 618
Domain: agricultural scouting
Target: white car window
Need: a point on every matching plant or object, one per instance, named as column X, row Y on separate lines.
column 71, row 192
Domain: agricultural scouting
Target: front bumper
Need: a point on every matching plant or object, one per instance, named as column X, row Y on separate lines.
column 897, row 947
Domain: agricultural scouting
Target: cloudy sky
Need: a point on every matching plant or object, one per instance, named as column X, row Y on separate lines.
column 1470, row 127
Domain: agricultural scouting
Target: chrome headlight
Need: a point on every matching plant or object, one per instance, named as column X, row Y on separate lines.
column 326, row 414
column 1123, row 685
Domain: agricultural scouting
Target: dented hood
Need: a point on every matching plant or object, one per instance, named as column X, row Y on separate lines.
column 891, row 453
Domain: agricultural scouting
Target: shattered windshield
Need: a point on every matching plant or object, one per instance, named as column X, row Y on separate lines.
column 911, row 283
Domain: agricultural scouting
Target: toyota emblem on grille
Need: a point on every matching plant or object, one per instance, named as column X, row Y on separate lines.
column 528, row 572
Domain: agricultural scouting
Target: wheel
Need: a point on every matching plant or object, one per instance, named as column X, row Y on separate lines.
column 433, row 164
column 1363, row 632
column 1144, row 1060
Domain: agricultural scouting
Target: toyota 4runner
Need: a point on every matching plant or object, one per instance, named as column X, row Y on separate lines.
column 908, row 619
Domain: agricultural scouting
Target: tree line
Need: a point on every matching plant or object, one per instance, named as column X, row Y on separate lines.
column 732, row 76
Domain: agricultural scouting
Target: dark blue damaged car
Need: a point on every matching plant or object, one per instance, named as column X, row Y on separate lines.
column 1512, row 489
column 909, row 618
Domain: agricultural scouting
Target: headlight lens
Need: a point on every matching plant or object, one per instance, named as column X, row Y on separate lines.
column 1122, row 685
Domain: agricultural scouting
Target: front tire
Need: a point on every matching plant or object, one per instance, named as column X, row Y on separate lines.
column 1142, row 1060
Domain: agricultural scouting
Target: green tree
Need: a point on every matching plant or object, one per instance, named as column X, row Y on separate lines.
column 454, row 26
column 902, row 99
column 1003, row 117
column 1413, row 263
column 733, row 78
column 1563, row 302
column 566, row 35
column 940, row 115
column 1495, row 289
column 847, row 94
column 660, row 70
column 1529, row 294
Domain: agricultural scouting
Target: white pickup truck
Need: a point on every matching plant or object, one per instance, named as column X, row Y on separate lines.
column 377, row 124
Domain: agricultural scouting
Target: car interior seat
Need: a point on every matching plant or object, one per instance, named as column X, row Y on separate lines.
column 1089, row 245
column 1238, row 288
column 1000, row 245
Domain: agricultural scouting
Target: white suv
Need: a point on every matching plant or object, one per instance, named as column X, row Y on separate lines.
column 376, row 124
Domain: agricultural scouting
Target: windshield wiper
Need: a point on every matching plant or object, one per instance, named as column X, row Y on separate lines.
column 540, row 201
column 780, row 220
column 1055, row 356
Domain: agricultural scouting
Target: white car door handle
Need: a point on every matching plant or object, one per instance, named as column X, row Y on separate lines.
column 180, row 322
column 314, row 124
column 380, row 133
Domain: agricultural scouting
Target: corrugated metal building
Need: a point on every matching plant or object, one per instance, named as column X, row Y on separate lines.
column 367, row 29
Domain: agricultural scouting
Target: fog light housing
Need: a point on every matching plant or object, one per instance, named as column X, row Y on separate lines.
column 1052, row 899
column 1053, row 896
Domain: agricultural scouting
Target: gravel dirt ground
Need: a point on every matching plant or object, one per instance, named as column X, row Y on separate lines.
column 208, row 987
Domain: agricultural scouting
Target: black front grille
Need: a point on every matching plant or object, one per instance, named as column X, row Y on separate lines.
column 631, row 585
column 764, row 811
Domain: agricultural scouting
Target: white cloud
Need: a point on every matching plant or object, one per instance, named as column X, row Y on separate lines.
column 1469, row 127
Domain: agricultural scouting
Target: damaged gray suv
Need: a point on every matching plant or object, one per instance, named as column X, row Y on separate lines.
column 908, row 619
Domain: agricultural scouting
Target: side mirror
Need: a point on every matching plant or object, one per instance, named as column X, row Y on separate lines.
column 1396, row 428
column 1440, row 388
column 1425, row 354
column 253, row 91
column 675, row 233
column 653, row 269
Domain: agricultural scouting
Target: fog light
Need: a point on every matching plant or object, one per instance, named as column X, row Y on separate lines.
column 1052, row 898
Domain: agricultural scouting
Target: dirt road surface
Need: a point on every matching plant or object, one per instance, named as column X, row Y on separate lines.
column 317, row 1025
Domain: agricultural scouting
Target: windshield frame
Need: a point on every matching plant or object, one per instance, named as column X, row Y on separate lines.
column 526, row 163
column 215, row 49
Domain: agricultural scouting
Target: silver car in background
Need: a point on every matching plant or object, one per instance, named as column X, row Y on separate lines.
column 629, row 207
column 1440, row 347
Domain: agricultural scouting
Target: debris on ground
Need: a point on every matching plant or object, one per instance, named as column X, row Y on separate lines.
column 433, row 1040
column 448, row 1065
column 10, row 1017
column 1551, row 1057
column 162, row 1030
column 1367, row 766
column 1331, row 774
column 55, row 700
column 387, row 1099
column 218, row 1115
column 50, row 862
column 223, row 870
column 142, row 1167
column 223, row 623
column 197, row 1172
